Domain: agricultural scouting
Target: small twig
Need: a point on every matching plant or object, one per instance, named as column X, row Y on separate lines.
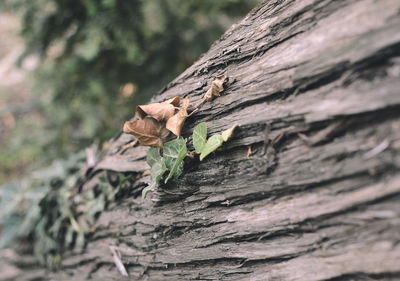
column 325, row 134
column 193, row 112
column 128, row 145
column 377, row 149
column 117, row 260
column 195, row 107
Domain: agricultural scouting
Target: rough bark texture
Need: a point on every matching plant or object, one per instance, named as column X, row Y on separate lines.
column 315, row 87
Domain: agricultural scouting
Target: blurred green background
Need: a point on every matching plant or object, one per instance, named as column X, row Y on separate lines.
column 86, row 64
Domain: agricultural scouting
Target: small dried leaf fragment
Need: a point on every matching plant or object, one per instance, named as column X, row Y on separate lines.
column 148, row 131
column 217, row 86
column 227, row 134
column 175, row 123
column 174, row 101
column 249, row 152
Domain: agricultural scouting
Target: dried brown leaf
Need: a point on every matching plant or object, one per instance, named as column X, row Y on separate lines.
column 175, row 123
column 141, row 175
column 249, row 152
column 174, row 101
column 159, row 111
column 148, row 131
column 191, row 154
column 217, row 86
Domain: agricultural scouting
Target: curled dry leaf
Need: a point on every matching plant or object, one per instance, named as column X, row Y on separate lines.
column 148, row 131
column 175, row 123
column 217, row 86
column 174, row 101
column 159, row 111
column 227, row 134
column 249, row 152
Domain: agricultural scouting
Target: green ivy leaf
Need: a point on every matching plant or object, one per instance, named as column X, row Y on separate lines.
column 200, row 137
column 156, row 173
column 212, row 144
column 179, row 170
column 216, row 141
column 174, row 153
column 147, row 189
column 153, row 156
column 158, row 169
column 227, row 134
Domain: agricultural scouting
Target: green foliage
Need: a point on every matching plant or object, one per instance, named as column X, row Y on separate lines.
column 12, row 212
column 158, row 168
column 19, row 149
column 200, row 137
column 172, row 160
column 153, row 156
column 174, row 153
column 205, row 147
column 212, row 144
column 49, row 213
column 42, row 210
column 157, row 164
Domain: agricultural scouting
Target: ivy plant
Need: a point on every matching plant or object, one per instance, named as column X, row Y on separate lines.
column 200, row 137
column 175, row 152
column 203, row 146
column 172, row 160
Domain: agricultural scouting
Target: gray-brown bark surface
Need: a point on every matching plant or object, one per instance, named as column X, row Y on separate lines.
column 315, row 87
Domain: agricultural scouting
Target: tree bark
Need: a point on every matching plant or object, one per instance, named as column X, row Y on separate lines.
column 309, row 186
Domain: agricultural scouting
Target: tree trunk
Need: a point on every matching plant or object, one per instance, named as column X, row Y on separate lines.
column 309, row 186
